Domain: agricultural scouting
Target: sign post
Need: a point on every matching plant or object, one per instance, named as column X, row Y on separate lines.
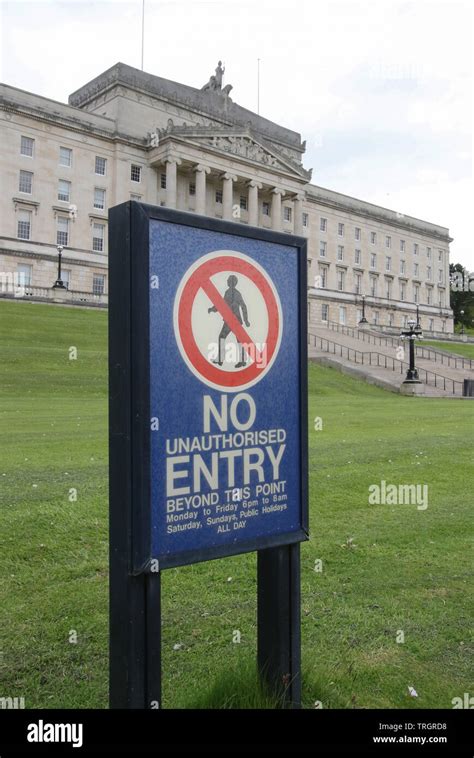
column 208, row 428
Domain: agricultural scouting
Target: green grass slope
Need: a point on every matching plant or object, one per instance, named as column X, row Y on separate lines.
column 386, row 569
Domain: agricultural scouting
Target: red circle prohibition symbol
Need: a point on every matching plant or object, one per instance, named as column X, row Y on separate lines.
column 199, row 277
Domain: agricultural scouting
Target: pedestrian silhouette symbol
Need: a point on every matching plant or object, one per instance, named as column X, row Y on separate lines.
column 236, row 303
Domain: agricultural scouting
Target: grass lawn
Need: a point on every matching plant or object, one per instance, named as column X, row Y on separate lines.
column 386, row 569
column 460, row 348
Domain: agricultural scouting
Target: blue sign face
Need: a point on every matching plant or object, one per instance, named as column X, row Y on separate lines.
column 225, row 432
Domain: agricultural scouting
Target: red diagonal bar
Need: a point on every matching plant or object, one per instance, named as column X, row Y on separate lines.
column 231, row 320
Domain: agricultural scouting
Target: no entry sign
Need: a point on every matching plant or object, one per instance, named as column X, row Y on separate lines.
column 217, row 387
column 208, row 425
column 236, row 288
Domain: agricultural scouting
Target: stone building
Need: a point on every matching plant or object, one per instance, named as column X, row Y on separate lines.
column 129, row 135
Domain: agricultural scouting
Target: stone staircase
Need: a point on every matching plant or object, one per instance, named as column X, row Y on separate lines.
column 383, row 360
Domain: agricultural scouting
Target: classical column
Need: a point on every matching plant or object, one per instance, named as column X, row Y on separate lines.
column 172, row 164
column 298, row 214
column 254, row 187
column 228, row 194
column 201, row 172
column 276, row 208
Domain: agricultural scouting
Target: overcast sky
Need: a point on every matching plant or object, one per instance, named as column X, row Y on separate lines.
column 380, row 90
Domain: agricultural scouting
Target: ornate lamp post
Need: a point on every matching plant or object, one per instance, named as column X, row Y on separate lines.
column 412, row 333
column 461, row 313
column 418, row 315
column 363, row 319
column 59, row 284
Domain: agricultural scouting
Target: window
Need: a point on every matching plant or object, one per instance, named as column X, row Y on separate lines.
column 26, row 182
column 24, row 225
column 287, row 213
column 342, row 314
column 340, row 230
column 357, row 233
column 305, row 219
column 440, row 256
column 266, row 208
column 402, row 246
column 373, row 286
column 324, row 312
column 431, row 325
column 243, row 202
column 340, row 252
column 99, row 198
column 416, row 293
column 402, row 267
column 388, row 242
column 358, row 315
column 428, row 272
column 66, row 277
column 323, row 224
column 24, row 274
column 440, row 276
column 100, row 165
column 98, row 284
column 64, row 190
column 219, row 196
column 441, row 299
column 98, row 234
column 373, row 260
column 429, row 295
column 322, row 249
column 65, row 156
column 163, row 181
column 357, row 256
column 443, row 326
column 376, row 317
column 62, row 234
column 340, row 280
column 405, row 321
column 388, row 263
column 428, row 253
column 27, row 146
column 373, row 238
column 388, row 289
column 415, row 248
column 416, row 269
column 403, row 289
column 357, row 283
column 390, row 319
column 135, row 173
column 323, row 272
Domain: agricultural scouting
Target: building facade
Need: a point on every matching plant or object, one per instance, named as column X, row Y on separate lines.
column 129, row 135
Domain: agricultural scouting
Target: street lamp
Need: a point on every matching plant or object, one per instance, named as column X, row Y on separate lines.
column 363, row 319
column 412, row 333
column 417, row 315
column 59, row 284
column 461, row 313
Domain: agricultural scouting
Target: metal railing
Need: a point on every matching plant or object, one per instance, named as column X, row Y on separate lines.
column 373, row 358
column 421, row 351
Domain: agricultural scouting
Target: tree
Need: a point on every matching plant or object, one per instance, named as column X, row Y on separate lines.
column 461, row 294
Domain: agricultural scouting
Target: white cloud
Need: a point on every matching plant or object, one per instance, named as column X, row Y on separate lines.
column 380, row 90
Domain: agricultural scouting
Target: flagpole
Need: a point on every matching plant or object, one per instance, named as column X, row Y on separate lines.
column 143, row 29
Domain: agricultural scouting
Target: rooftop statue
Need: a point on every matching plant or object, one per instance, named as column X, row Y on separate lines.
column 215, row 82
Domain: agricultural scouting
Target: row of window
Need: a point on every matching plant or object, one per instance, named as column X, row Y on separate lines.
column 323, row 227
column 375, row 317
column 27, row 149
column 62, row 230
column 373, row 261
column 321, row 282
column 25, row 278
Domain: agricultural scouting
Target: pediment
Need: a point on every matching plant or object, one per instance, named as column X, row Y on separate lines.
column 243, row 144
